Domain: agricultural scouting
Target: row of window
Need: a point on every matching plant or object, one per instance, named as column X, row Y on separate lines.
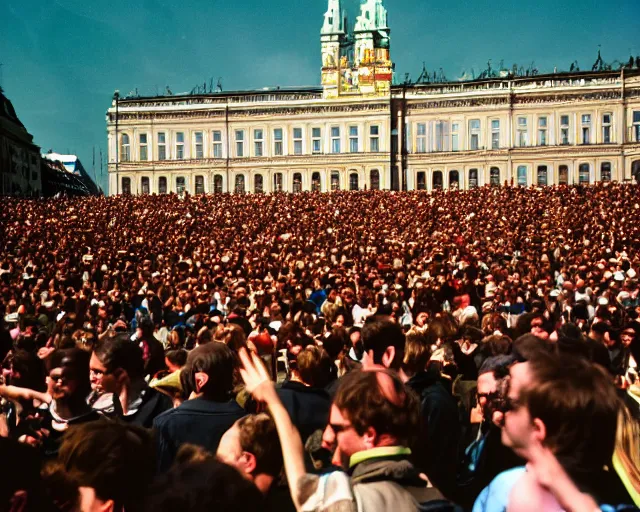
column 258, row 183
column 495, row 178
column 258, row 140
column 446, row 136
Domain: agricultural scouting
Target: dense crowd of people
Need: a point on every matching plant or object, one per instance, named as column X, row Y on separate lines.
column 455, row 350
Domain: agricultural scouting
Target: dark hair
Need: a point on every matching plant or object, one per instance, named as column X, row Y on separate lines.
column 31, row 370
column 120, row 352
column 498, row 365
column 205, row 485
column 416, row 354
column 314, row 366
column 380, row 400
column 527, row 346
column 218, row 362
column 258, row 435
column 177, row 357
column 146, row 325
column 381, row 333
column 578, row 404
column 109, row 456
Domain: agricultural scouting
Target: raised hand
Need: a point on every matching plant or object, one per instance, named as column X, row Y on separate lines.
column 256, row 377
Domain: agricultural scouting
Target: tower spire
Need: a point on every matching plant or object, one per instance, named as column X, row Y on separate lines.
column 333, row 19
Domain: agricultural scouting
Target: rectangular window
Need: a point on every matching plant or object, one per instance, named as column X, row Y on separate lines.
column 335, row 139
column 421, row 138
column 217, row 143
column 542, row 131
column 258, row 140
column 297, row 141
column 455, row 137
column 353, row 139
column 564, row 130
column 162, row 146
column 144, row 148
column 474, row 134
column 442, row 136
column 523, row 133
column 495, row 134
column 198, row 142
column 239, row 143
column 606, row 128
column 316, row 140
column 277, row 142
column 522, row 175
column 636, row 126
column 586, row 128
column 374, row 138
column 180, row 145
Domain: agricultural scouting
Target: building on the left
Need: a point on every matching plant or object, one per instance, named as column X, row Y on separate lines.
column 19, row 156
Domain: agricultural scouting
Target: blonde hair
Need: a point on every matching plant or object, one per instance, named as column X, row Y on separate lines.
column 626, row 456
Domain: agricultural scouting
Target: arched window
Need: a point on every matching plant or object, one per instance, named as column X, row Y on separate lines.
column 162, row 185
column 181, row 184
column 563, row 175
column 584, row 175
column 522, row 175
column 437, row 181
column 374, row 179
column 125, row 148
column 297, row 183
column 454, row 179
column 239, row 188
column 353, row 181
column 144, row 185
column 494, row 177
column 421, row 180
column 335, row 180
column 258, row 184
column 316, row 183
column 605, row 171
column 217, row 184
column 200, row 185
column 277, row 182
column 542, row 175
column 473, row 178
column 126, row 186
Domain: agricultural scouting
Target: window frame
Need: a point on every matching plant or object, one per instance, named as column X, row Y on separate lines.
column 180, row 146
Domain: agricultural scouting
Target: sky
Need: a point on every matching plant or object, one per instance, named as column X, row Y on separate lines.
column 62, row 60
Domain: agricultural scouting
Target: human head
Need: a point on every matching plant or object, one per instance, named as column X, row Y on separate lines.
column 252, row 446
column 565, row 403
column 314, row 366
column 491, row 375
column 416, row 354
column 68, row 374
column 175, row 359
column 102, row 460
column 209, row 371
column 384, row 340
column 26, row 370
column 371, row 409
column 203, row 485
column 115, row 361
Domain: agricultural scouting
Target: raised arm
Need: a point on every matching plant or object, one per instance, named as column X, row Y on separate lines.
column 16, row 393
column 258, row 383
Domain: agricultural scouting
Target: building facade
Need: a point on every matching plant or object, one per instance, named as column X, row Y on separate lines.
column 358, row 131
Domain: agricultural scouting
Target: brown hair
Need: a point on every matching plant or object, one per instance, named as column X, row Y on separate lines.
column 258, row 436
column 378, row 399
column 314, row 366
column 578, row 404
column 416, row 353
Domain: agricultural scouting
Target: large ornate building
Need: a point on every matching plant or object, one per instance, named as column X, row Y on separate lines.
column 358, row 130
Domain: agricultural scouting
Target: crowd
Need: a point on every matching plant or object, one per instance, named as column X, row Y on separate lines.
column 455, row 350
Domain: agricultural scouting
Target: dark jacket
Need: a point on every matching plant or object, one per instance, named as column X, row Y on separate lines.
column 437, row 450
column 308, row 407
column 199, row 421
column 153, row 404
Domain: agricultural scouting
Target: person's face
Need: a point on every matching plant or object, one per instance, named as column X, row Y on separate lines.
column 355, row 337
column 61, row 383
column 421, row 319
column 102, row 381
column 340, row 321
column 339, row 435
column 519, row 430
column 487, row 384
column 537, row 330
column 626, row 337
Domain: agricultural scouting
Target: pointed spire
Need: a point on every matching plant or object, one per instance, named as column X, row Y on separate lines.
column 333, row 19
column 373, row 16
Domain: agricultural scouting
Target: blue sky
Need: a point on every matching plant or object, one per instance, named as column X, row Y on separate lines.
column 63, row 59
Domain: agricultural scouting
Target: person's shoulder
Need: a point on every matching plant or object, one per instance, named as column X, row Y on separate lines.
column 495, row 496
column 318, row 492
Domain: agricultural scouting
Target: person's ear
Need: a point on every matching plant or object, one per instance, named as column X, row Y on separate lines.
column 370, row 438
column 249, row 462
column 539, row 430
column 108, row 506
column 388, row 357
column 201, row 380
column 120, row 375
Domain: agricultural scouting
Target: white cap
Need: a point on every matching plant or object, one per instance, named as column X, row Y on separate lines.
column 618, row 276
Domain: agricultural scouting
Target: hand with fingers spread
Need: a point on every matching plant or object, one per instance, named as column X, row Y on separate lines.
column 256, row 377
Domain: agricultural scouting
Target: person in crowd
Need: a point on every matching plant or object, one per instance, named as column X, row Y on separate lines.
column 152, row 351
column 117, row 373
column 207, row 379
column 252, row 446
